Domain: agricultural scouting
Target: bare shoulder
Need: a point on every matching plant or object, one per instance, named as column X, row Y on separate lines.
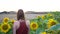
column 16, row 22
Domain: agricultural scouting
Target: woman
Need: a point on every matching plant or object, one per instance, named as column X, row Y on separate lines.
column 21, row 26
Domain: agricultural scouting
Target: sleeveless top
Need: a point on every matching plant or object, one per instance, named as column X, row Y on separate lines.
column 23, row 29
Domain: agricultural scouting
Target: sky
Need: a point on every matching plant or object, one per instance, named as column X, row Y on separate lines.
column 30, row 5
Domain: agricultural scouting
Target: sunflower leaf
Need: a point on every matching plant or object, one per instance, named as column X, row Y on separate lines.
column 39, row 30
column 55, row 27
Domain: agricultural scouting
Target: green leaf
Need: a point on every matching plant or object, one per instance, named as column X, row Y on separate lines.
column 39, row 30
column 10, row 32
column 32, row 32
column 55, row 27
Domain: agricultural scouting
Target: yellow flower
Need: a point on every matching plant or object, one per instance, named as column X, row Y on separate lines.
column 43, row 16
column 33, row 26
column 5, row 27
column 5, row 20
column 43, row 33
column 12, row 20
column 38, row 16
column 49, row 14
column 51, row 22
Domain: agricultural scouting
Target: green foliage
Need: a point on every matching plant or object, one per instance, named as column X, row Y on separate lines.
column 10, row 30
column 43, row 27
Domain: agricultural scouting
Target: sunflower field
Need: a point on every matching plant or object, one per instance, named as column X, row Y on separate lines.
column 6, row 26
column 46, row 24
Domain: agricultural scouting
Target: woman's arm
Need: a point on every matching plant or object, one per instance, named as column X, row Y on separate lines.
column 15, row 26
column 28, row 25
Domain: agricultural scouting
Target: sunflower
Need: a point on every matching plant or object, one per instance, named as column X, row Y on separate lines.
column 51, row 22
column 33, row 26
column 5, row 20
column 49, row 14
column 5, row 27
column 12, row 20
column 43, row 16
column 43, row 33
column 38, row 16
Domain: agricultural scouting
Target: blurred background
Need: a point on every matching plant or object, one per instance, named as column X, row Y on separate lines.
column 13, row 15
column 32, row 8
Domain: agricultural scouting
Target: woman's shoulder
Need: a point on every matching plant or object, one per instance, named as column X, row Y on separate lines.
column 16, row 22
column 28, row 23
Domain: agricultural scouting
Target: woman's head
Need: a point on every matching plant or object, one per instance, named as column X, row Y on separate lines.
column 20, row 14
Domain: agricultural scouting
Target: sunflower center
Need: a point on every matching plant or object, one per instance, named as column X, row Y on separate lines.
column 34, row 25
column 6, row 20
column 5, row 27
column 53, row 23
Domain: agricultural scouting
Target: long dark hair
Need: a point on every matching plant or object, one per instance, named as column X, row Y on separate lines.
column 20, row 14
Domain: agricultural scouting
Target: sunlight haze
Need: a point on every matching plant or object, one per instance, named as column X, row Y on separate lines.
column 30, row 5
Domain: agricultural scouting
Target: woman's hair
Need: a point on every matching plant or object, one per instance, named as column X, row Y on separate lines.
column 20, row 14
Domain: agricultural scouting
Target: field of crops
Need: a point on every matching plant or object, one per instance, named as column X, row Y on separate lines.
column 46, row 24
column 39, row 23
column 13, row 16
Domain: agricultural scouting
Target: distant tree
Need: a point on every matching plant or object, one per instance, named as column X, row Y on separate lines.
column 5, row 12
column 12, row 12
